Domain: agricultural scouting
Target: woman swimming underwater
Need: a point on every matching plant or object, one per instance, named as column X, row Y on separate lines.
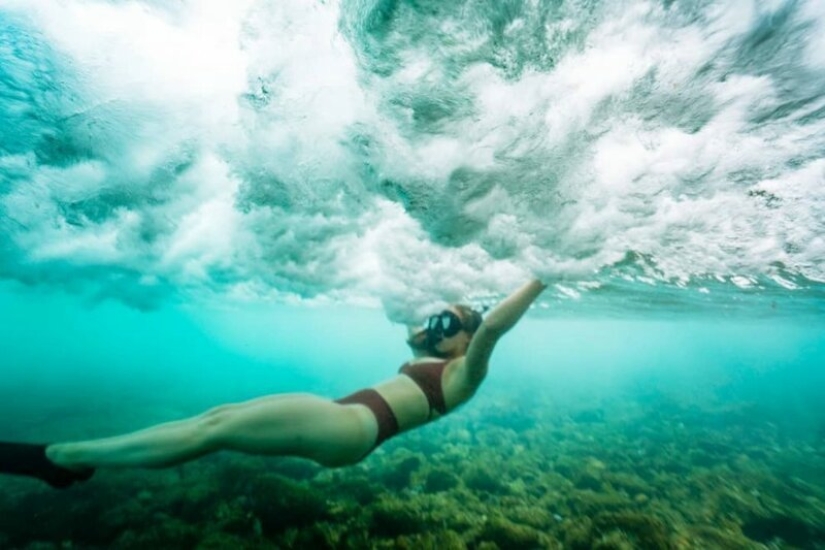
column 452, row 352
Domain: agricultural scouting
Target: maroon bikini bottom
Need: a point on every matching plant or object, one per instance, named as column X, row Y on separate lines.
column 387, row 423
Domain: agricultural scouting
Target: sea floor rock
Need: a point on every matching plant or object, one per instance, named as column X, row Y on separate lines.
column 672, row 481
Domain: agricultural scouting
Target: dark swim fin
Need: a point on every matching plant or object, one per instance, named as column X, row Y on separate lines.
column 26, row 459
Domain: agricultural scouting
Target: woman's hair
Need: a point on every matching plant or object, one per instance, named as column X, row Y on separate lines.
column 470, row 318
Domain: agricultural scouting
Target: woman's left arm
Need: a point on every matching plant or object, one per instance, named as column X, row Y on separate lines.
column 501, row 319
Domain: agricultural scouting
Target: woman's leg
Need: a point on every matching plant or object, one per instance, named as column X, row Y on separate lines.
column 293, row 424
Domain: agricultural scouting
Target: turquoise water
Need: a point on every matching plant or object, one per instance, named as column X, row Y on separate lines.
column 205, row 203
column 62, row 354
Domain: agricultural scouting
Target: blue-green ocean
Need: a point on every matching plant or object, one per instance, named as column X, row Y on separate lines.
column 207, row 202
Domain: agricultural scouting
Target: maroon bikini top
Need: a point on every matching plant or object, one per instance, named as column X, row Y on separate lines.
column 428, row 377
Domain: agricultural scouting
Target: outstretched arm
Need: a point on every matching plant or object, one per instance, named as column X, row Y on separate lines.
column 501, row 319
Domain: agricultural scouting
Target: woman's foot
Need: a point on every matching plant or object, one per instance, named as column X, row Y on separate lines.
column 26, row 459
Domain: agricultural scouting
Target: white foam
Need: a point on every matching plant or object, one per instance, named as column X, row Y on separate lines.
column 208, row 232
column 192, row 107
column 814, row 12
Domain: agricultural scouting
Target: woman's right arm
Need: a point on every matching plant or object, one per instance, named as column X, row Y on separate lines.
column 416, row 337
column 501, row 319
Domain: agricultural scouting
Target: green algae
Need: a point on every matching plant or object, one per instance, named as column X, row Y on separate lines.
column 439, row 480
column 510, row 534
column 652, row 482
